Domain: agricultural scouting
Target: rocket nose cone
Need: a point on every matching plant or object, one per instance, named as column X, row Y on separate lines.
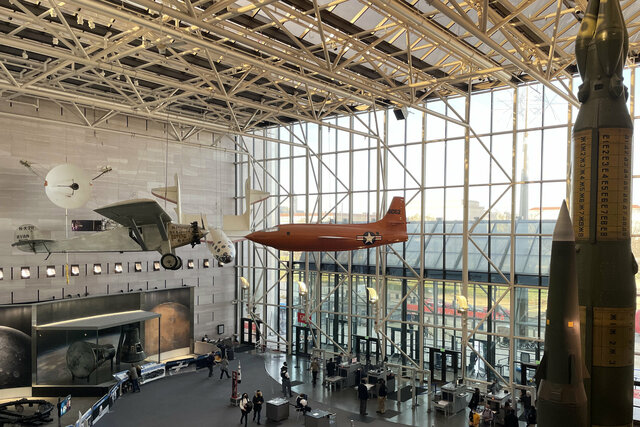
column 564, row 228
column 257, row 236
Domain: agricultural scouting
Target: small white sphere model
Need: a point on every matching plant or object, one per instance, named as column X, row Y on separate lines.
column 67, row 186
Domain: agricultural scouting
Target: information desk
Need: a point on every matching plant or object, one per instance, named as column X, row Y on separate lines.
column 348, row 371
column 454, row 398
column 319, row 418
column 277, row 409
column 201, row 347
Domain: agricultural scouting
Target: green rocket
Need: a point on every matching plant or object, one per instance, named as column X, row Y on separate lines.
column 601, row 211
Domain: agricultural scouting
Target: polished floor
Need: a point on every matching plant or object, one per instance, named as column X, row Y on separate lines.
column 193, row 399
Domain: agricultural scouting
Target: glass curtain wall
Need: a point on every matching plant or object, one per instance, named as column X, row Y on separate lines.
column 347, row 169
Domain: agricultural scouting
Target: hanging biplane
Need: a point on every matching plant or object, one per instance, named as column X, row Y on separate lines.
column 145, row 226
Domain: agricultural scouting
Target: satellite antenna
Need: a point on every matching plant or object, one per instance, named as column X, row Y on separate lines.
column 67, row 186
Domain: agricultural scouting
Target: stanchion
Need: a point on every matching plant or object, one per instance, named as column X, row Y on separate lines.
column 235, row 399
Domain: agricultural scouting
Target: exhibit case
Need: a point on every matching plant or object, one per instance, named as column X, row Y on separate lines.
column 78, row 343
column 90, row 350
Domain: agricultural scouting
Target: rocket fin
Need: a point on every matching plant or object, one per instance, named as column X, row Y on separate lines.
column 585, row 371
column 541, row 372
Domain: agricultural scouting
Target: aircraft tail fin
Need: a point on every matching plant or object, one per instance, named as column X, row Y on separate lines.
column 396, row 214
column 171, row 195
column 238, row 226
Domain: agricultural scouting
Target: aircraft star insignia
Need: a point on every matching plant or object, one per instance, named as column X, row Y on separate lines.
column 368, row 238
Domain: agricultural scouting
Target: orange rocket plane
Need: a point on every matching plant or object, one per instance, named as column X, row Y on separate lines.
column 392, row 228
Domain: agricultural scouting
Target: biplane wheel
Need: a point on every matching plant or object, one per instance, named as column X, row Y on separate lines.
column 179, row 266
column 170, row 261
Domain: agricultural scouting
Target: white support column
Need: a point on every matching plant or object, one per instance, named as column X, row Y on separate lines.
column 512, row 255
column 465, row 231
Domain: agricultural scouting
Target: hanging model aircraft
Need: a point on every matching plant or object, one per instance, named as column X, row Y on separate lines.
column 145, row 226
column 234, row 227
column 392, row 228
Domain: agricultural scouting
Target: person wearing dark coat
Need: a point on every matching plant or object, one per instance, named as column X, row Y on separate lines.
column 532, row 417
column 525, row 400
column 133, row 376
column 363, row 396
column 511, row 419
column 331, row 368
column 258, row 400
column 286, row 383
column 475, row 399
column 382, row 396
column 210, row 362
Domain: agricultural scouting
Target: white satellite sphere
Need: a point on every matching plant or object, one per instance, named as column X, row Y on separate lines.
column 67, row 186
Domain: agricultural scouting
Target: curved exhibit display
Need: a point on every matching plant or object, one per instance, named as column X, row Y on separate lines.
column 83, row 342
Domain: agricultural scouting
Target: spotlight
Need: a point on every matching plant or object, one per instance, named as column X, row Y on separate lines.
column 137, row 267
column 373, row 295
column 1, row 274
column 156, row 265
column 51, row 271
column 205, row 263
column 97, row 268
column 401, row 113
column 75, row 270
column 190, row 264
column 302, row 289
column 118, row 268
column 25, row 272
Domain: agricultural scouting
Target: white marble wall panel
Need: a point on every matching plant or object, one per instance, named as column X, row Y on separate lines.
column 142, row 157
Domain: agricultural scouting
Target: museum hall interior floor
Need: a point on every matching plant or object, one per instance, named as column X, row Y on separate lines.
column 195, row 400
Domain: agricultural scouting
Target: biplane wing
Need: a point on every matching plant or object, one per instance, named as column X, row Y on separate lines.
column 141, row 211
column 136, row 213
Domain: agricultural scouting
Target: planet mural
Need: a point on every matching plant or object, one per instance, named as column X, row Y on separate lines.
column 174, row 328
column 15, row 358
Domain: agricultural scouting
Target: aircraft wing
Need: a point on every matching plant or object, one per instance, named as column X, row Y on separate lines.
column 35, row 246
column 138, row 211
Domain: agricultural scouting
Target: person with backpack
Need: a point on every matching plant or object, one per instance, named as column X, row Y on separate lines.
column 245, row 408
column 286, row 382
column 532, row 417
column 224, row 367
column 258, row 400
column 487, row 417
